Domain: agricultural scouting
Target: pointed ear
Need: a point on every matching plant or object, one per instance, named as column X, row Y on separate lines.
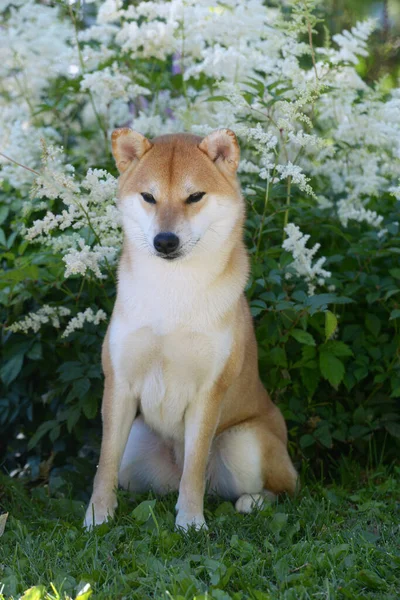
column 222, row 147
column 128, row 146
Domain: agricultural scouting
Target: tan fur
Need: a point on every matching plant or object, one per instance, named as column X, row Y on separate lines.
column 198, row 335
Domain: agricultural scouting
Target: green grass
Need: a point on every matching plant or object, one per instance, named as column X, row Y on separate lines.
column 330, row 542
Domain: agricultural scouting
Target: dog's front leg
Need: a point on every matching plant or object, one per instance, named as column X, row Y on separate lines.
column 118, row 412
column 201, row 420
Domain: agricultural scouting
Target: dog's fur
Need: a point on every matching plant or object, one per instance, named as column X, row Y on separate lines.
column 183, row 406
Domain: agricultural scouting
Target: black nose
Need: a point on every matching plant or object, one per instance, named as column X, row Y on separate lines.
column 166, row 243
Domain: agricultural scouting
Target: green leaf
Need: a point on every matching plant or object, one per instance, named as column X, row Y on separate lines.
column 337, row 348
column 358, row 431
column 332, row 368
column 84, row 593
column 70, row 371
column 395, row 273
column 359, row 415
column 22, row 273
column 303, row 337
column 307, row 440
column 81, row 387
column 308, row 353
column 217, row 99
column 391, row 293
column 41, row 431
column 3, row 520
column 310, row 378
column 143, row 511
column 89, row 406
column 371, row 579
column 73, row 415
column 395, row 314
column 277, row 356
column 373, row 324
column 331, row 324
column 55, row 433
column 278, row 522
column 393, row 428
column 319, row 300
column 4, row 210
column 323, row 435
column 35, row 353
column 34, row 593
column 10, row 370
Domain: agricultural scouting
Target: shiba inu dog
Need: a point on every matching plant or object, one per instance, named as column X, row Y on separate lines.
column 183, row 406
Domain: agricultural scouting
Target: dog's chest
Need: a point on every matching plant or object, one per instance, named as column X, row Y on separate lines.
column 167, row 372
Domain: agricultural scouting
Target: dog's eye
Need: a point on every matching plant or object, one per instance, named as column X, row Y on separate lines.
column 196, row 197
column 148, row 198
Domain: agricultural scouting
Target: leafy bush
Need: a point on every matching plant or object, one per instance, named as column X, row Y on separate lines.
column 320, row 154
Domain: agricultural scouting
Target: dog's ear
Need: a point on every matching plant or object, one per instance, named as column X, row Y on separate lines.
column 128, row 146
column 222, row 147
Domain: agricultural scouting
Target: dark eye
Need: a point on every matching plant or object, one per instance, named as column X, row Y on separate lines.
column 148, row 198
column 196, row 197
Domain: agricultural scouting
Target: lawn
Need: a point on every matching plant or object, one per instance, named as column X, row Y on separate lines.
column 332, row 541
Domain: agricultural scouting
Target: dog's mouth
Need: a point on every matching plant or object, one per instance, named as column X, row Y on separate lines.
column 172, row 256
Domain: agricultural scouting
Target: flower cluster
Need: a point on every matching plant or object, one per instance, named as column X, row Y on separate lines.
column 89, row 211
column 318, row 132
column 29, row 63
column 87, row 316
column 302, row 265
column 45, row 314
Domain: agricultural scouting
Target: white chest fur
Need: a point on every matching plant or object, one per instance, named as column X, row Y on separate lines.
column 167, row 343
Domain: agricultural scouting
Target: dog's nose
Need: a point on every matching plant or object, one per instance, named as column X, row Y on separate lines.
column 166, row 243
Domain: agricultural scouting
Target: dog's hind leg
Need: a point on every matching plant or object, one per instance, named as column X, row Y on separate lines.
column 250, row 465
column 148, row 462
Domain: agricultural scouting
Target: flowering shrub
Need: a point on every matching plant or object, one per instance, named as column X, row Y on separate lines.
column 320, row 170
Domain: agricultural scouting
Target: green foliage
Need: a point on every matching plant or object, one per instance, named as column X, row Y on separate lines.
column 330, row 360
column 47, row 397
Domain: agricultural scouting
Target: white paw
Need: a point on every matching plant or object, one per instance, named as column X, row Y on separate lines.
column 248, row 502
column 185, row 521
column 98, row 512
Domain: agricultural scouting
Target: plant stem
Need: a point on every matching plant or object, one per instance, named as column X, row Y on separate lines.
column 311, row 47
column 286, row 217
column 262, row 218
column 19, row 164
column 81, row 62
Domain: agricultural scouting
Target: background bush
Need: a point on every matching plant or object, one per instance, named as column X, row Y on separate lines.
column 320, row 150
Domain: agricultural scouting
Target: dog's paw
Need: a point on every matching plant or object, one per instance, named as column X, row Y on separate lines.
column 98, row 512
column 185, row 521
column 248, row 502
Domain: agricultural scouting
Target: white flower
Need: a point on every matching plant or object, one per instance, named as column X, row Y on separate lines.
column 332, row 129
column 295, row 243
column 79, row 260
column 30, row 60
column 349, row 209
column 353, row 43
column 108, row 84
column 34, row 320
column 87, row 316
column 89, row 211
column 296, row 175
column 395, row 191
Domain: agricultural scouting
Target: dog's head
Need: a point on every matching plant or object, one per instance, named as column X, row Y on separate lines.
column 178, row 194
